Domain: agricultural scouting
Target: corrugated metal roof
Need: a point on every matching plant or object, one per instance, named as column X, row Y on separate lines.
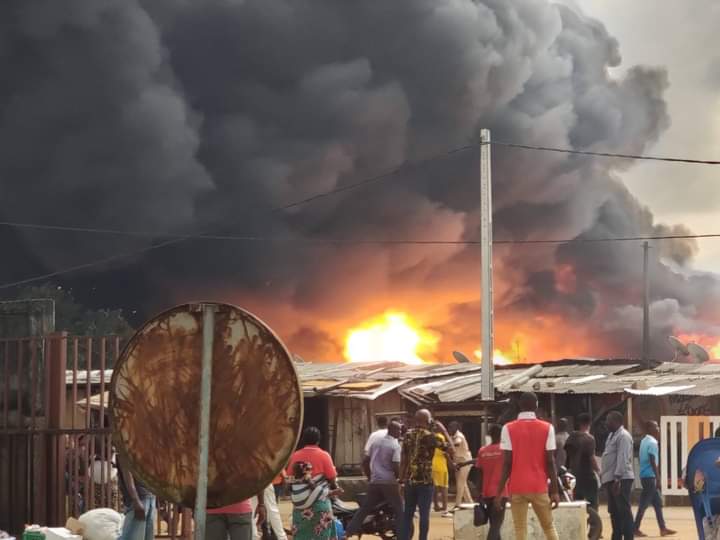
column 374, row 378
column 453, row 383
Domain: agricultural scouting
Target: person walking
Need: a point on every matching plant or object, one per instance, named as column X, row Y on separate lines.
column 489, row 465
column 617, row 477
column 650, row 480
column 140, row 505
column 313, row 483
column 416, row 473
column 462, row 469
column 580, row 450
column 528, row 446
column 382, row 467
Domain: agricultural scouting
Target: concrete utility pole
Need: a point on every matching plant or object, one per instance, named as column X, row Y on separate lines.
column 208, row 311
column 646, row 307
column 488, row 384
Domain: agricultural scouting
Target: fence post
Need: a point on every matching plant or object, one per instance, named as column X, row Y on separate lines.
column 55, row 410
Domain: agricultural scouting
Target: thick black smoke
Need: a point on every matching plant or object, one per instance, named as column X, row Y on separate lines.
column 175, row 116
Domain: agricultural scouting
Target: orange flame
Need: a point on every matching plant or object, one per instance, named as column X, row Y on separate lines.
column 392, row 336
column 710, row 343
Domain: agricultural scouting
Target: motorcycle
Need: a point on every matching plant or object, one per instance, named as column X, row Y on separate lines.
column 380, row 521
column 567, row 490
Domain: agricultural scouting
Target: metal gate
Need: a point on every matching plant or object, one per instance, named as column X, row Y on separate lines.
column 56, row 453
column 55, row 448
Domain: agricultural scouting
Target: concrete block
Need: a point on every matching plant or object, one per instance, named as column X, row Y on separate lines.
column 570, row 521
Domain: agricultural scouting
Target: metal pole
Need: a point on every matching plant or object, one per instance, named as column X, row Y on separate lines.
column 204, row 431
column 646, row 308
column 488, row 386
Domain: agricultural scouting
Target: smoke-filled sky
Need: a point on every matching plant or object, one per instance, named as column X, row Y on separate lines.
column 177, row 116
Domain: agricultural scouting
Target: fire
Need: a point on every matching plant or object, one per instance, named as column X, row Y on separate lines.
column 499, row 358
column 710, row 343
column 392, row 336
column 517, row 355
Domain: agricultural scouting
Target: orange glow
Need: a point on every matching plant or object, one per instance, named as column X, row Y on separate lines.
column 710, row 343
column 565, row 279
column 517, row 354
column 392, row 336
column 499, row 358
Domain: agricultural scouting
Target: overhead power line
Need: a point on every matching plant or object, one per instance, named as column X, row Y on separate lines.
column 353, row 186
column 305, row 240
column 604, row 154
column 183, row 238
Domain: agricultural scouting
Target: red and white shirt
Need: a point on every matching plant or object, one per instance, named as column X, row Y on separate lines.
column 528, row 439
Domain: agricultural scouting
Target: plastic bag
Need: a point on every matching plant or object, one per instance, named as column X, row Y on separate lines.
column 101, row 524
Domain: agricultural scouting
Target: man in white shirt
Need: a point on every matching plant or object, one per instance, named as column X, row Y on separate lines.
column 380, row 433
column 462, row 456
column 382, row 467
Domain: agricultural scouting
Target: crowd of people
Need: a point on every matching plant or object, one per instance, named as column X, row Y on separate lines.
column 409, row 462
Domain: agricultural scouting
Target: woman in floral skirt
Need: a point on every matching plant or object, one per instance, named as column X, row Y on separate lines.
column 312, row 480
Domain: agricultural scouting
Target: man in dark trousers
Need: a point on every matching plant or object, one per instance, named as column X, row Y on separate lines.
column 139, row 505
column 418, row 449
column 382, row 467
column 580, row 450
column 528, row 446
column 489, row 465
column 617, row 477
column 650, row 480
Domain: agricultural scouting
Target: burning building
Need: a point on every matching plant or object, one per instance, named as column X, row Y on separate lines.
column 161, row 117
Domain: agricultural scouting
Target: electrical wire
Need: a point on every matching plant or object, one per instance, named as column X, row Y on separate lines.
column 349, row 187
column 603, row 154
column 179, row 239
column 270, row 239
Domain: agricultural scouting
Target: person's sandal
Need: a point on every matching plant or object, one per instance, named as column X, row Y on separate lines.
column 639, row 534
column 668, row 532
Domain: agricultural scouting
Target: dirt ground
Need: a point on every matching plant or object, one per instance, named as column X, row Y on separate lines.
column 679, row 518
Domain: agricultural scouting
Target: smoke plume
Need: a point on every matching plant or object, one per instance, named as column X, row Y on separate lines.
column 177, row 116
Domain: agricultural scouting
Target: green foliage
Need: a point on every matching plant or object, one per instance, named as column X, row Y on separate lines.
column 76, row 319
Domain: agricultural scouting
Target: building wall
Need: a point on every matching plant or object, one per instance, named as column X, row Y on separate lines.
column 354, row 420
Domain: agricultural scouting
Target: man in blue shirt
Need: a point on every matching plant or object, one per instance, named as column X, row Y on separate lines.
column 650, row 479
column 382, row 467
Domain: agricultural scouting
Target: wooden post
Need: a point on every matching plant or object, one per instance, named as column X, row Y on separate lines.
column 369, row 409
column 484, row 427
column 336, row 419
column 55, row 411
column 552, row 409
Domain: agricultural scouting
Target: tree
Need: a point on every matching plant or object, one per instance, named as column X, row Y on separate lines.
column 76, row 319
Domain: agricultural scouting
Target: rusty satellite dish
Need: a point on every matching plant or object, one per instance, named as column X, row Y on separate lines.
column 255, row 414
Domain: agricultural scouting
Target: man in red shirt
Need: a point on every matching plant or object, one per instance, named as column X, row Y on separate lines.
column 489, row 464
column 528, row 446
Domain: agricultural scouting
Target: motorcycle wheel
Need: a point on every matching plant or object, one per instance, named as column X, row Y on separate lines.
column 594, row 524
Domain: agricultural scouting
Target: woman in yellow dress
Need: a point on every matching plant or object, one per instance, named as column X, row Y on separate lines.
column 440, row 474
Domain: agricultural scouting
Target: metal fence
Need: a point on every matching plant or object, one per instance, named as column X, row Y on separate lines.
column 56, row 454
